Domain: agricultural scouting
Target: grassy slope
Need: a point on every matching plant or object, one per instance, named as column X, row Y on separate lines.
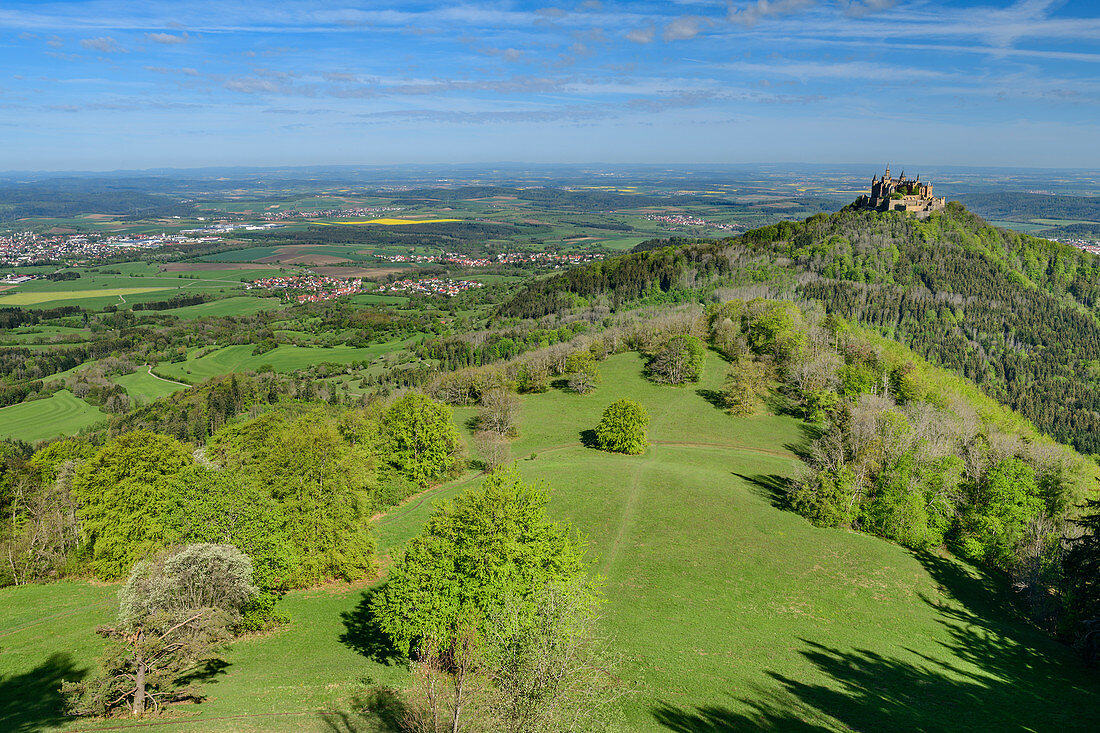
column 732, row 614
column 59, row 414
column 239, row 306
column 144, row 386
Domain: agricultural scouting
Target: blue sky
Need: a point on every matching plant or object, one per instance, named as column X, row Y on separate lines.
column 106, row 84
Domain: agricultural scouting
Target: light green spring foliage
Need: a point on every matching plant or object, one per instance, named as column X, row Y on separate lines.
column 622, row 429
column 46, row 462
column 122, row 498
column 993, row 526
column 476, row 552
column 420, row 440
column 321, row 484
column 222, row 507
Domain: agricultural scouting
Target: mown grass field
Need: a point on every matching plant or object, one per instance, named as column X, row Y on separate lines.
column 145, row 387
column 731, row 614
column 239, row 306
column 138, row 282
column 59, row 414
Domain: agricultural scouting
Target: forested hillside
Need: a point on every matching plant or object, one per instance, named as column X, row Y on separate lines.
column 1013, row 313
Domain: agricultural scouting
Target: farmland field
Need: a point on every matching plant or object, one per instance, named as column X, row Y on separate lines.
column 59, row 414
column 731, row 613
column 145, row 386
column 239, row 306
column 38, row 298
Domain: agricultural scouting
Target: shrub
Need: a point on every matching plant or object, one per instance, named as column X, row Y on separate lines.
column 622, row 428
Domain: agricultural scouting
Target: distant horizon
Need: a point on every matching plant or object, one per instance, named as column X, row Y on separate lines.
column 533, row 166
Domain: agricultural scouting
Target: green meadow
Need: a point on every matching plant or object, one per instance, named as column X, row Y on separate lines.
column 59, row 414
column 146, row 387
column 139, row 282
column 238, row 306
column 730, row 613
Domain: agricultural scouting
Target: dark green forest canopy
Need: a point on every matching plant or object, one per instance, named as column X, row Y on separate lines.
column 1013, row 313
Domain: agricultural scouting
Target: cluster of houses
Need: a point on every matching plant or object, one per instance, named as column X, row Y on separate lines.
column 29, row 248
column 1089, row 245
column 431, row 286
column 227, row 227
column 555, row 259
column 356, row 212
column 315, row 288
column 690, row 220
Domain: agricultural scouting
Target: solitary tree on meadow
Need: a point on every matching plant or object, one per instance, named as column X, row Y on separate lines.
column 622, row 428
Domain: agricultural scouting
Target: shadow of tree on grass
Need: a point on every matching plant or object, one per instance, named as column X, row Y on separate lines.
column 31, row 701
column 363, row 634
column 589, row 439
column 377, row 710
column 765, row 715
column 994, row 673
column 772, row 487
column 714, row 397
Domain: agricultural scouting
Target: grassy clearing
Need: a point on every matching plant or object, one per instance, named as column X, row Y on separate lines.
column 143, row 386
column 731, row 613
column 60, row 414
column 239, row 306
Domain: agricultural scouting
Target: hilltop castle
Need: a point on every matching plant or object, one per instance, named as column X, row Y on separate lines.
column 901, row 194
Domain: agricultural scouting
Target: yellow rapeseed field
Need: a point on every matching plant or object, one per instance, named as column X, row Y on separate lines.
column 391, row 222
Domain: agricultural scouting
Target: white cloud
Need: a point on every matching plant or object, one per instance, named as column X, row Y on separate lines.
column 684, row 28
column 752, row 14
column 103, row 44
column 642, row 35
column 168, row 38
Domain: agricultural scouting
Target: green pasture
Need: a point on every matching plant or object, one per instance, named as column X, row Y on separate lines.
column 1062, row 222
column 283, row 358
column 27, row 334
column 247, row 254
column 731, row 614
column 377, row 299
column 59, row 414
column 238, row 306
column 146, row 387
column 1020, row 226
column 252, row 254
column 95, row 290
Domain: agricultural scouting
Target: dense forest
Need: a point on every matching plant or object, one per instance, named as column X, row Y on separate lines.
column 1024, row 206
column 1013, row 313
